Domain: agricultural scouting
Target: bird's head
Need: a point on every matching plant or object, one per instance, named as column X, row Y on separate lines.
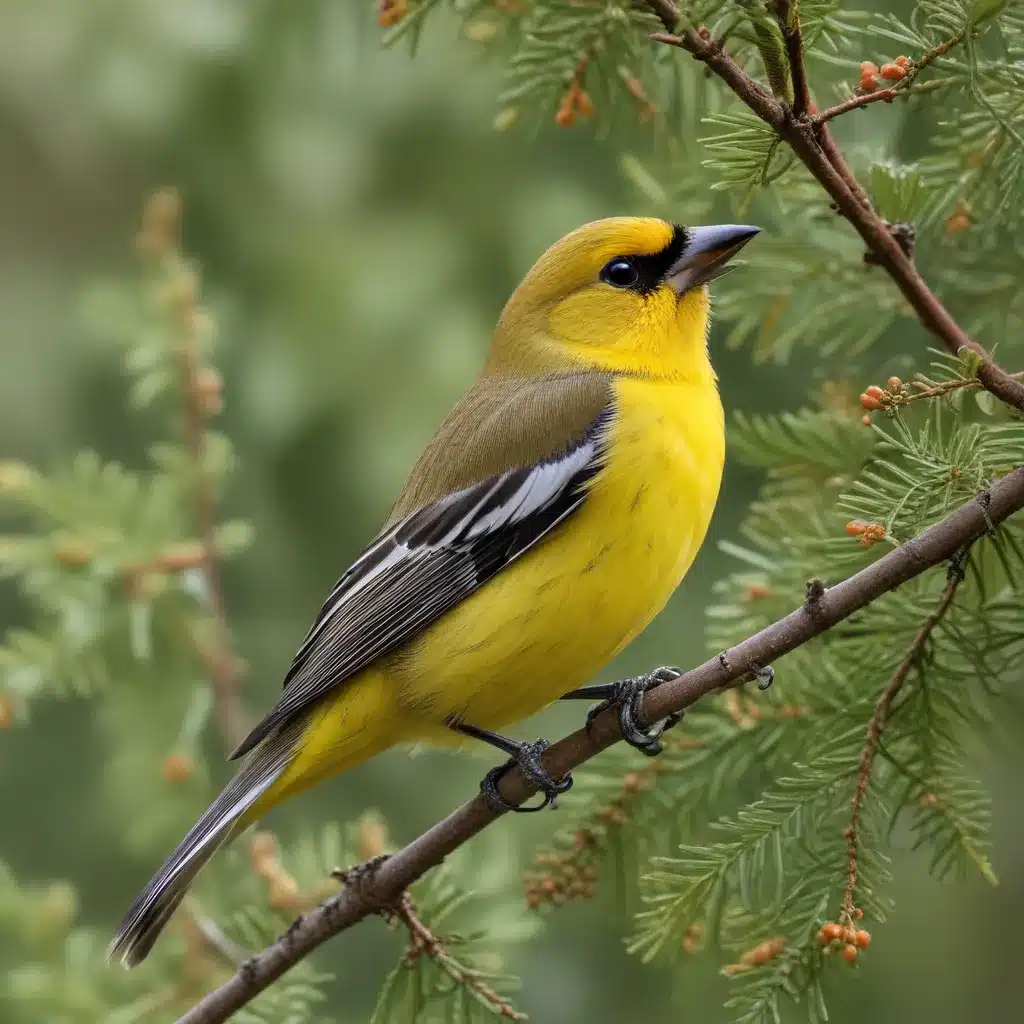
column 626, row 294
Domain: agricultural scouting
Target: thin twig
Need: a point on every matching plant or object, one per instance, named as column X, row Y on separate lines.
column 936, row 545
column 855, row 102
column 423, row 942
column 904, row 87
column 877, row 726
column 814, row 146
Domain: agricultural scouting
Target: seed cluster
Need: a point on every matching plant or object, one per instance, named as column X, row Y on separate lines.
column 872, row 76
column 558, row 877
column 869, row 533
column 846, row 939
column 875, row 398
column 575, row 102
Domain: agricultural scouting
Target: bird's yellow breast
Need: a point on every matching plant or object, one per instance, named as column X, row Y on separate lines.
column 556, row 616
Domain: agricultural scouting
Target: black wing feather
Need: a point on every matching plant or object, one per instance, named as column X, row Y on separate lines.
column 426, row 564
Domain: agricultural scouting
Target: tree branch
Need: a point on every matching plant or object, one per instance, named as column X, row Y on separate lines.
column 788, row 14
column 424, row 942
column 823, row 609
column 815, row 147
column 877, row 725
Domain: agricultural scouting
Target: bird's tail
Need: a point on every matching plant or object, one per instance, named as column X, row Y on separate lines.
column 221, row 821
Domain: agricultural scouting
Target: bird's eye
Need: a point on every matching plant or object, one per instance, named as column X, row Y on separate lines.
column 620, row 273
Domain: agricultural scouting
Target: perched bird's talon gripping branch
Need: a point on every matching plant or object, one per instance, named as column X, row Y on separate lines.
column 527, row 758
column 627, row 697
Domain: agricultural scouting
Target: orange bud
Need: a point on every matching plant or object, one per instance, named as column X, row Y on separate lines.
column 892, row 72
column 868, row 67
column 858, row 913
column 895, row 384
column 177, row 767
column 832, row 931
column 874, row 391
column 868, row 83
column 866, row 420
column 957, row 223
column 209, row 388
column 565, row 118
column 855, row 527
column 391, row 12
column 584, row 106
column 873, row 532
column 186, row 555
column 870, row 402
column 263, row 849
column 849, row 953
column 632, row 782
column 863, row 938
column 902, row 62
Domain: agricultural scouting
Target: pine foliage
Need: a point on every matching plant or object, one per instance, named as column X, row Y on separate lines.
column 759, row 824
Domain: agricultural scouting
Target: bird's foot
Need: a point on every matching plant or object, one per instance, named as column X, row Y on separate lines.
column 763, row 676
column 527, row 758
column 627, row 696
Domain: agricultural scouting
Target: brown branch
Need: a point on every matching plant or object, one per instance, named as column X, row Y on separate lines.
column 667, row 13
column 815, row 148
column 830, row 606
column 877, row 725
column 854, row 103
column 788, row 15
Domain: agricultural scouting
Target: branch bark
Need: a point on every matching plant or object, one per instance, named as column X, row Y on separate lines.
column 823, row 610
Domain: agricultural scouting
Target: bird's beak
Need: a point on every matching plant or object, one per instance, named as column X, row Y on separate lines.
column 709, row 250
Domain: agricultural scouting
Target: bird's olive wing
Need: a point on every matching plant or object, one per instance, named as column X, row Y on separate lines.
column 427, row 562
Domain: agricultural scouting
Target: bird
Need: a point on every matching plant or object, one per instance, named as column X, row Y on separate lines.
column 551, row 517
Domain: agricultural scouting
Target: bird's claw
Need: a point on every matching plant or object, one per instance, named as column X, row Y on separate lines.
column 628, row 698
column 528, row 760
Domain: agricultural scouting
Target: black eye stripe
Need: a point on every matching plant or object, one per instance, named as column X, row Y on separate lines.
column 649, row 270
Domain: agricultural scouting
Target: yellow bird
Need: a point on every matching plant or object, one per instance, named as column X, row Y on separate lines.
column 549, row 520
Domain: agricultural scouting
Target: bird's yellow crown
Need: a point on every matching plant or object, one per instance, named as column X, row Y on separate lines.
column 602, row 298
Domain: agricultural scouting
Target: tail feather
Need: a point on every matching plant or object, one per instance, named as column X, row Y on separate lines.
column 221, row 821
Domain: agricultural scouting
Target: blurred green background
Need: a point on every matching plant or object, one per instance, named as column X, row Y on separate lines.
column 359, row 224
